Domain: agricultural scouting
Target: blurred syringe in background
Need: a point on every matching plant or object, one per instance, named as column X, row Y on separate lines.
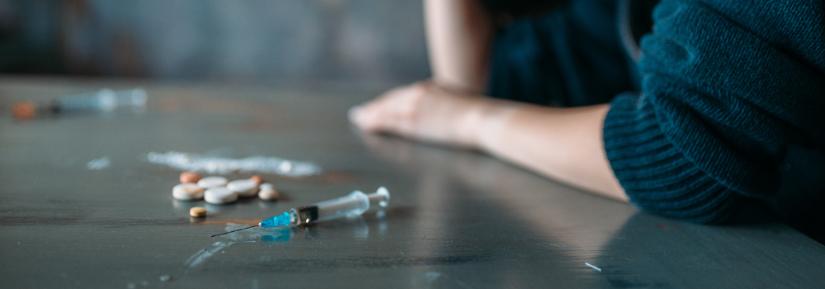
column 103, row 100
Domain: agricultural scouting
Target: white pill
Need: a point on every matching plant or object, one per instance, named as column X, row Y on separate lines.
column 220, row 195
column 244, row 188
column 267, row 192
column 211, row 182
column 187, row 192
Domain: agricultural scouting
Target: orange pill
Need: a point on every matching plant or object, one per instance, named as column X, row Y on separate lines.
column 24, row 110
column 189, row 177
column 257, row 179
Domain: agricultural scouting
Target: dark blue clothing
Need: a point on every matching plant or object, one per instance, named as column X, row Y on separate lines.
column 720, row 108
column 571, row 56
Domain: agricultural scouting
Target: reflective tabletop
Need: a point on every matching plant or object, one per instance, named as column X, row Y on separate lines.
column 457, row 219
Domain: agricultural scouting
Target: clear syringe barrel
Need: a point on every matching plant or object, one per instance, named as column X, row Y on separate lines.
column 351, row 205
column 354, row 204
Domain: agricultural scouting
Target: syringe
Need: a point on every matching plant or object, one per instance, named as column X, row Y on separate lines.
column 351, row 205
column 104, row 100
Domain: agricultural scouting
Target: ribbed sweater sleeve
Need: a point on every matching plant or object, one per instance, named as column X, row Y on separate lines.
column 725, row 86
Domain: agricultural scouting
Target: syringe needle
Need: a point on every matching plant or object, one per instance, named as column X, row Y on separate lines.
column 233, row 231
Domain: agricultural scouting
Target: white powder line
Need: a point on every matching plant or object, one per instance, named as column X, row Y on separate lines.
column 593, row 266
column 98, row 164
column 219, row 165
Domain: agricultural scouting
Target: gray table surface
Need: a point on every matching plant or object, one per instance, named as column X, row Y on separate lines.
column 457, row 219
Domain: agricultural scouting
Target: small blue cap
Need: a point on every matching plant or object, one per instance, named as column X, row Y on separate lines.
column 284, row 219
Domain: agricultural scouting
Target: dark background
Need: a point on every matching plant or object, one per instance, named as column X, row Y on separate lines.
column 216, row 40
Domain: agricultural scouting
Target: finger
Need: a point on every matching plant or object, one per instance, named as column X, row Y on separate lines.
column 371, row 116
column 397, row 112
column 389, row 112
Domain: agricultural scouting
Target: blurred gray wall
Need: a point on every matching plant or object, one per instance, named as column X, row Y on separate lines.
column 247, row 40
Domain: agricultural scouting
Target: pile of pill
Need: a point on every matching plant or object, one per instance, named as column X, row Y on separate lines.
column 219, row 190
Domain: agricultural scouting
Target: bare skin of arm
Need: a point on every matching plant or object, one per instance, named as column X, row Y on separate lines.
column 564, row 144
column 458, row 39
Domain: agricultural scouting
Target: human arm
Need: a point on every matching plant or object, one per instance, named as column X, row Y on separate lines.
column 458, row 39
column 564, row 144
column 561, row 143
column 720, row 107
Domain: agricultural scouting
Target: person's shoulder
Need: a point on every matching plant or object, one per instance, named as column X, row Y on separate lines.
column 796, row 27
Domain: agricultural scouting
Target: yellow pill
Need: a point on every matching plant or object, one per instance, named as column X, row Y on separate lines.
column 197, row 212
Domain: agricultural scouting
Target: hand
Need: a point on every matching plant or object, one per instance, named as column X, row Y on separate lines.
column 425, row 112
column 565, row 144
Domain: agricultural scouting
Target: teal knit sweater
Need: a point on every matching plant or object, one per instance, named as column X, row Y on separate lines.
column 728, row 87
column 728, row 110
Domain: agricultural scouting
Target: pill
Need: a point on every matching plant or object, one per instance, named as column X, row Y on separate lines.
column 267, row 192
column 244, row 188
column 197, row 212
column 211, row 182
column 189, row 177
column 257, row 179
column 220, row 195
column 187, row 192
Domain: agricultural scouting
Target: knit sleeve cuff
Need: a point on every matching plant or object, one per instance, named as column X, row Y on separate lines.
column 656, row 175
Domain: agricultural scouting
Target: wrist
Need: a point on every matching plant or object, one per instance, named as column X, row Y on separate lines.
column 484, row 121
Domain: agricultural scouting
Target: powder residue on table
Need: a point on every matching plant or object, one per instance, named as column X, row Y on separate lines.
column 223, row 165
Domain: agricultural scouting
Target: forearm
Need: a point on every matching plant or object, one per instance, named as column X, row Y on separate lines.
column 458, row 39
column 565, row 144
